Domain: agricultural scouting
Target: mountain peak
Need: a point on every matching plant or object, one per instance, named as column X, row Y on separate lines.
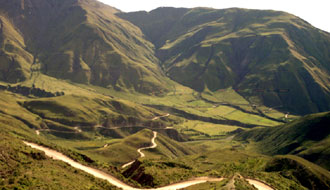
column 82, row 40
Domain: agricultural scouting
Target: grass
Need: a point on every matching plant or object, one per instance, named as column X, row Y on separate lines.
column 15, row 60
column 226, row 161
column 185, row 52
column 206, row 128
column 170, row 162
column 24, row 168
column 120, row 151
column 307, row 137
column 167, row 148
column 305, row 172
column 251, row 119
column 10, row 108
column 126, row 149
column 112, row 79
column 186, row 99
column 225, row 95
column 209, row 185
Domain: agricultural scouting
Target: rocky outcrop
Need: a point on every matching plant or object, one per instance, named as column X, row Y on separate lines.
column 137, row 173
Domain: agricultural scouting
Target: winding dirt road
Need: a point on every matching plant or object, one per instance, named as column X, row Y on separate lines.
column 154, row 145
column 99, row 174
column 114, row 181
column 259, row 185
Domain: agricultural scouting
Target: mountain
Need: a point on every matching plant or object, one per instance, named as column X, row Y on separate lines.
column 308, row 137
column 267, row 56
column 79, row 40
column 96, row 84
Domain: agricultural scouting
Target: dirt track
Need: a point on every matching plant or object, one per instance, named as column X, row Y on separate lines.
column 99, row 174
column 154, row 145
column 259, row 185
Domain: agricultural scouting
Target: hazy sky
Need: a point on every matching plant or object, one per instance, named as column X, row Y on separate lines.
column 315, row 12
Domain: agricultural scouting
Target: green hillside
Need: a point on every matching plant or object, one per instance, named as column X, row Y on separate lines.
column 25, row 168
column 66, row 123
column 266, row 56
column 80, row 40
column 15, row 60
column 307, row 137
column 308, row 174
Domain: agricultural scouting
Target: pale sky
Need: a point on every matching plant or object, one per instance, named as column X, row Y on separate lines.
column 316, row 12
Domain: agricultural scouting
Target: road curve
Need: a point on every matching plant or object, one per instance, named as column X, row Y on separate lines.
column 114, row 181
column 158, row 117
column 259, row 185
column 153, row 145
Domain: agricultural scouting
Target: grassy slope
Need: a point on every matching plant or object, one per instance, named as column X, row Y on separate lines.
column 97, row 105
column 15, row 60
column 169, row 162
column 72, row 109
column 120, row 151
column 84, row 106
column 168, row 148
column 223, row 158
column 249, row 50
column 308, row 174
column 226, row 158
column 25, row 168
column 307, row 137
column 82, row 41
column 125, row 150
column 187, row 100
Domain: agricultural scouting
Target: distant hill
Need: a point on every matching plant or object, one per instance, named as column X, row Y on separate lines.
column 308, row 137
column 307, row 174
column 80, row 40
column 269, row 57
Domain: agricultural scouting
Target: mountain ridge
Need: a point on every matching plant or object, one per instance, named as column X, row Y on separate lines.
column 88, row 42
column 210, row 49
column 82, row 40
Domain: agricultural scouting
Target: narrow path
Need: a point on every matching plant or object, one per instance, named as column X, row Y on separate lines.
column 154, row 145
column 114, row 181
column 158, row 117
column 259, row 185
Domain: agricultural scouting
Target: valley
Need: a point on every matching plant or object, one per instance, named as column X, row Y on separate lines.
column 94, row 98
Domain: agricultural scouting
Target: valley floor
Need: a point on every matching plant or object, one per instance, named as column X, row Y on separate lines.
column 170, row 141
